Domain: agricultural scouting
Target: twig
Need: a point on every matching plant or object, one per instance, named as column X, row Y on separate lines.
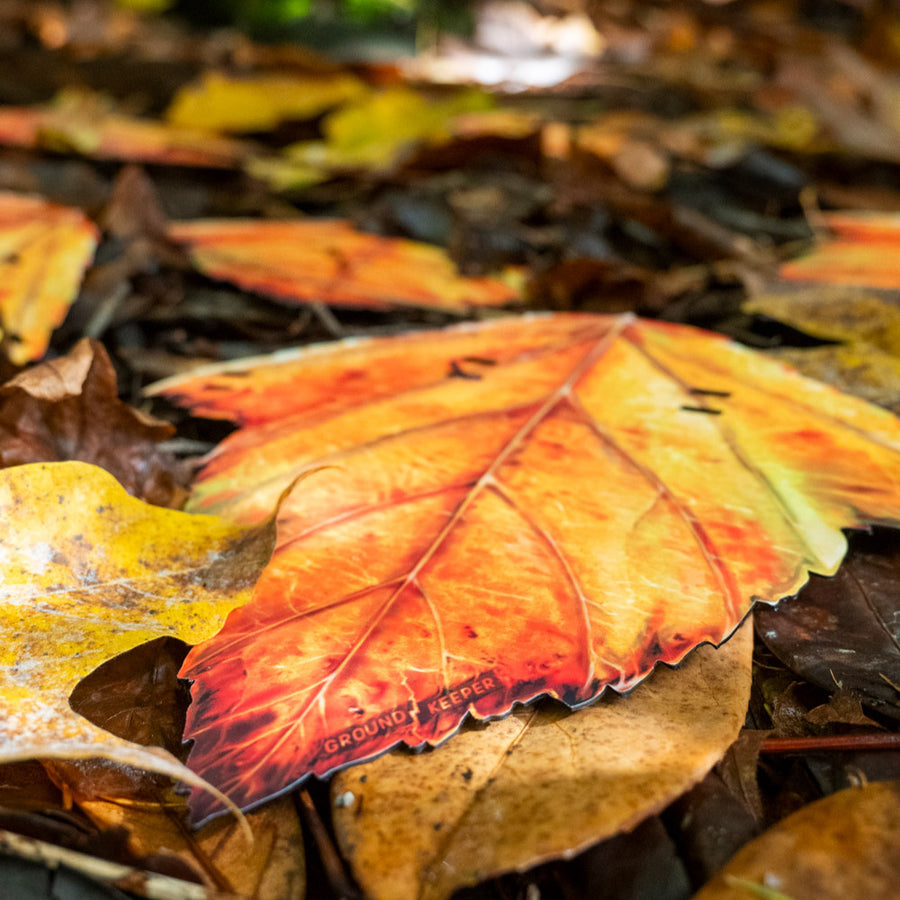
column 772, row 746
column 331, row 860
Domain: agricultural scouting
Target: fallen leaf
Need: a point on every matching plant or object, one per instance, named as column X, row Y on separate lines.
column 836, row 315
column 80, row 122
column 540, row 505
column 273, row 869
column 373, row 132
column 421, row 826
column 89, row 572
column 220, row 102
column 842, row 846
column 69, row 409
column 866, row 362
column 709, row 824
column 862, row 252
column 843, row 632
column 329, row 261
column 44, row 250
column 867, row 372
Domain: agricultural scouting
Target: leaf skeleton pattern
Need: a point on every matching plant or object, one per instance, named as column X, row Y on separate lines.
column 560, row 524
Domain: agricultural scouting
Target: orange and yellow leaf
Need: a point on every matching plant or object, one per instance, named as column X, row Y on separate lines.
column 44, row 251
column 81, row 123
column 862, row 251
column 540, row 505
column 329, row 261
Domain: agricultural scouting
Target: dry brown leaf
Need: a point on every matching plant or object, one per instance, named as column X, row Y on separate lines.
column 541, row 784
column 842, row 847
column 68, row 409
column 273, row 869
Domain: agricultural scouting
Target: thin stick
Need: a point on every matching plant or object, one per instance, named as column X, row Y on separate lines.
column 771, row 746
column 331, row 860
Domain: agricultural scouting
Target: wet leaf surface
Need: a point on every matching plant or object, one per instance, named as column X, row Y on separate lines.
column 842, row 632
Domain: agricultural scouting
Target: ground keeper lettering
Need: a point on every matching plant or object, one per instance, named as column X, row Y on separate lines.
column 457, row 697
column 368, row 730
column 462, row 694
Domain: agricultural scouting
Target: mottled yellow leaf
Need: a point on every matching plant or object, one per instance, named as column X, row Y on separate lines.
column 541, row 784
column 88, row 572
column 44, row 250
column 866, row 362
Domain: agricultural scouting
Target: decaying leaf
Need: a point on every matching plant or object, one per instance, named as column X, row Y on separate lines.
column 44, row 250
column 866, row 362
column 69, row 409
column 861, row 251
column 88, row 572
column 540, row 784
column 273, row 869
column 848, row 316
column 843, row 632
column 82, row 123
column 329, row 261
column 220, row 102
column 539, row 505
column 842, row 846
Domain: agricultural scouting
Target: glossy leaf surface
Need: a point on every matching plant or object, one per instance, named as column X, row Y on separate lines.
column 88, row 572
column 419, row 826
column 544, row 505
column 329, row 261
column 44, row 250
column 844, row 632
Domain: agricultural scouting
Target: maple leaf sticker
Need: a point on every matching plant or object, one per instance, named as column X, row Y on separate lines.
column 542, row 505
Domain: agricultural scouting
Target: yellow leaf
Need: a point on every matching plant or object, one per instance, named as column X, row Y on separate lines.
column 89, row 572
column 223, row 103
column 44, row 250
column 375, row 131
column 866, row 362
column 541, row 784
